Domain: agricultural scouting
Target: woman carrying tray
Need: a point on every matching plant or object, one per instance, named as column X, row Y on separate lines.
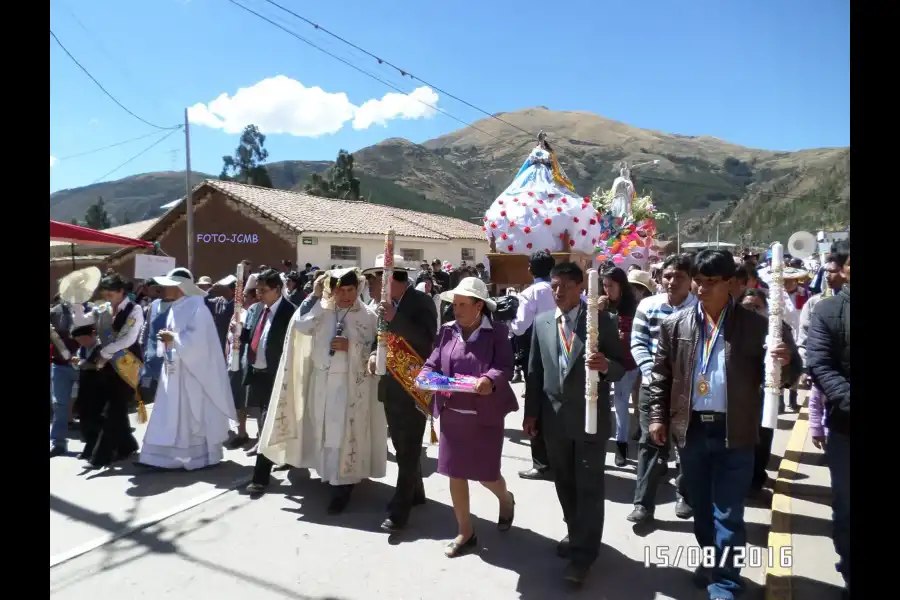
column 471, row 438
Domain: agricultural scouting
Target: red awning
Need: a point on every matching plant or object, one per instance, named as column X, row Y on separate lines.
column 76, row 234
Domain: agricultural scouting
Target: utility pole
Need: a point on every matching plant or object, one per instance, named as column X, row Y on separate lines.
column 188, row 197
column 677, row 234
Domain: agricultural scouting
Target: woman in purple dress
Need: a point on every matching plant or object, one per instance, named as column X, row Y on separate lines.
column 471, row 425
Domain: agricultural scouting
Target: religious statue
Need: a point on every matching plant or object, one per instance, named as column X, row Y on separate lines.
column 622, row 194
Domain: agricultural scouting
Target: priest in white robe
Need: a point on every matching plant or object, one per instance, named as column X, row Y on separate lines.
column 325, row 414
column 193, row 406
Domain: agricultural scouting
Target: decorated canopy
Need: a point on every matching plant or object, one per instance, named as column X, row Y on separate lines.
column 540, row 210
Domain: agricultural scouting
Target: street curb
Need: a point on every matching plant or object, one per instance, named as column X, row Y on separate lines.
column 779, row 578
column 68, row 555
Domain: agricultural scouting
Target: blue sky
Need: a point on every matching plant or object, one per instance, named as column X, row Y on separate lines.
column 767, row 74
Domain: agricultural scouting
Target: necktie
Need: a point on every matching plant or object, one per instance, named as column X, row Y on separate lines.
column 565, row 342
column 254, row 343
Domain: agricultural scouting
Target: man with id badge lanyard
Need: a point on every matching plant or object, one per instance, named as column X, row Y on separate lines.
column 704, row 389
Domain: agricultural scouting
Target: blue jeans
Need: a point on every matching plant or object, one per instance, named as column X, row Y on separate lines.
column 837, row 454
column 62, row 380
column 717, row 480
column 621, row 397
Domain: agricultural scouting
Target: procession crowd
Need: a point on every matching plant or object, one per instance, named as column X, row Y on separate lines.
column 331, row 366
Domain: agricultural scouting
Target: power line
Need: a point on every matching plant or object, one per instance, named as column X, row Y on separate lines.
column 138, row 155
column 403, row 72
column 363, row 71
column 103, row 89
column 117, row 144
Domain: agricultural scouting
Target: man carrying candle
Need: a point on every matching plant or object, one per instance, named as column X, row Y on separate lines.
column 704, row 389
column 555, row 394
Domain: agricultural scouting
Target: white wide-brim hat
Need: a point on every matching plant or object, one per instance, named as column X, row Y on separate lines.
column 182, row 279
column 379, row 265
column 473, row 288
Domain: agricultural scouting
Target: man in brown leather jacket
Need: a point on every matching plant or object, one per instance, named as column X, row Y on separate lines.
column 704, row 388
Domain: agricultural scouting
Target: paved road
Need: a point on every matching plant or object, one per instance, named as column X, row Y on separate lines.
column 283, row 545
column 803, row 497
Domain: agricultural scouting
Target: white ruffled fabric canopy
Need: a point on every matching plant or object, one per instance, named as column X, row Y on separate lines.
column 536, row 211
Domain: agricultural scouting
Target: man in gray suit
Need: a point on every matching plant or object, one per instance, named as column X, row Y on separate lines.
column 555, row 394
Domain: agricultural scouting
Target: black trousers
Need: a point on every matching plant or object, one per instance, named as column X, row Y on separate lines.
column 407, row 428
column 259, row 392
column 91, row 399
column 652, row 461
column 114, row 439
column 578, row 471
column 539, row 458
column 761, row 455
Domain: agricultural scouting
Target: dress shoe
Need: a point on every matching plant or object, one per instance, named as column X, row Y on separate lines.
column 683, row 510
column 392, row 525
column 57, row 451
column 576, row 574
column 255, row 489
column 640, row 515
column 535, row 474
column 237, row 441
column 562, row 548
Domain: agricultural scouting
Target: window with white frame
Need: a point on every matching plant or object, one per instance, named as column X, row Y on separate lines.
column 345, row 253
column 415, row 255
column 468, row 254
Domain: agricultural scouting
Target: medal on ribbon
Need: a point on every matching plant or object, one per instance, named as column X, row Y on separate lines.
column 708, row 337
column 566, row 341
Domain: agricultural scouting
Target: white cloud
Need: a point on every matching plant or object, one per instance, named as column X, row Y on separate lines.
column 418, row 104
column 284, row 105
column 53, row 160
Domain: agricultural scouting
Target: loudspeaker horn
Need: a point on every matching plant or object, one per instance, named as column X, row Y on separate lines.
column 802, row 244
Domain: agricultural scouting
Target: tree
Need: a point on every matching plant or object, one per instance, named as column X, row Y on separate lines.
column 246, row 166
column 74, row 221
column 337, row 181
column 96, row 216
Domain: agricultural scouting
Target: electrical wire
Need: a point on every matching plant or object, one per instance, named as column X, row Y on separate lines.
column 103, row 89
column 137, row 156
column 402, row 72
column 363, row 71
column 117, row 144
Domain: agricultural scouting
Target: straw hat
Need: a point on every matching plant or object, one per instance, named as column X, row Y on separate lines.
column 643, row 278
column 78, row 286
column 472, row 287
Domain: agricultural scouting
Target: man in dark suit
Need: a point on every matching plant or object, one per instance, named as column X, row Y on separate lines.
column 412, row 316
column 555, row 394
column 262, row 342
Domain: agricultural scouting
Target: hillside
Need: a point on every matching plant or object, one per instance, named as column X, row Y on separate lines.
column 765, row 193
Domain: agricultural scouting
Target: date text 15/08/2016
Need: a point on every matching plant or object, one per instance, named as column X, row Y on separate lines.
column 692, row 557
column 228, row 238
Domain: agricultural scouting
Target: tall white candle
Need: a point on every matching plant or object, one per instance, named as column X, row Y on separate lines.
column 591, row 378
column 774, row 392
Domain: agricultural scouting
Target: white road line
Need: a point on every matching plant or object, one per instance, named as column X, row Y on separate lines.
column 68, row 555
